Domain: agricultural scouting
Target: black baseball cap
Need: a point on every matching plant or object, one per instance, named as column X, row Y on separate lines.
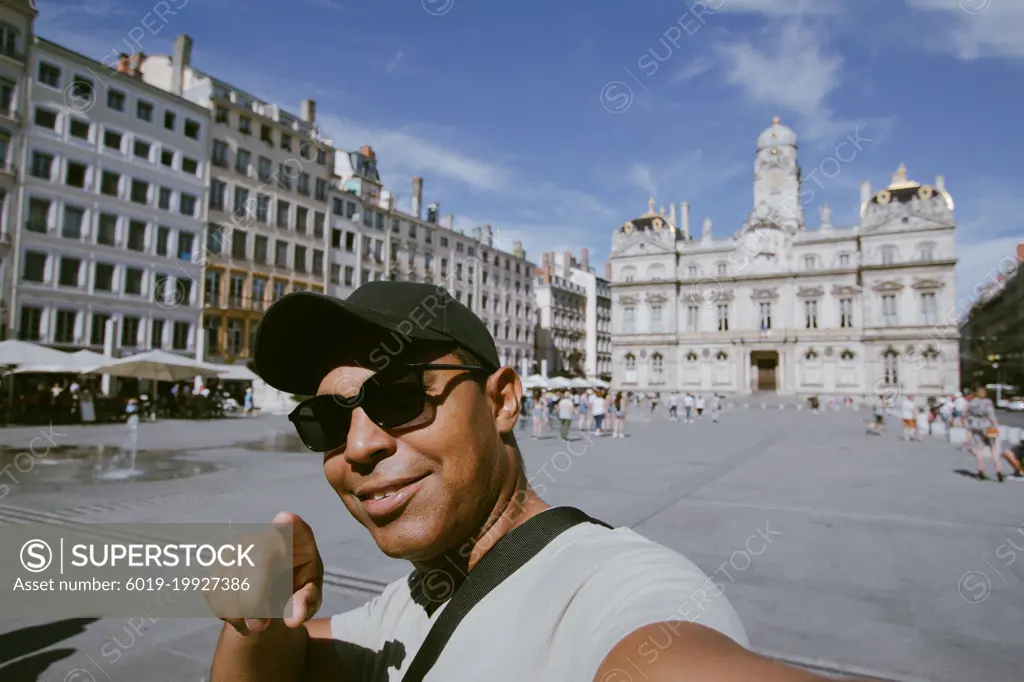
column 304, row 335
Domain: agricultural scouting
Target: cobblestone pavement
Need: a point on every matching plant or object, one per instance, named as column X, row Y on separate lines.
column 840, row 551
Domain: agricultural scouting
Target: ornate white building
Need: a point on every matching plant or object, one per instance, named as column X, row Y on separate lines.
column 784, row 308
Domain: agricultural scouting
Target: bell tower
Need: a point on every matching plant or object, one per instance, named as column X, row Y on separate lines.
column 777, row 178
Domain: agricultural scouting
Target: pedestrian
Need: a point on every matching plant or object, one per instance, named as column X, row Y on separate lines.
column 248, row 402
column 565, row 412
column 599, row 407
column 428, row 463
column 700, row 407
column 716, row 407
column 878, row 426
column 619, row 416
column 538, row 415
column 654, row 402
column 909, row 413
column 688, row 405
column 984, row 431
column 584, row 411
column 673, row 406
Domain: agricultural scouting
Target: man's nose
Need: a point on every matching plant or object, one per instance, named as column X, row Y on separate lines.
column 367, row 442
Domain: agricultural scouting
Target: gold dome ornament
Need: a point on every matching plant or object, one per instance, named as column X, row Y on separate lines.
column 883, row 197
column 628, row 228
column 925, row 192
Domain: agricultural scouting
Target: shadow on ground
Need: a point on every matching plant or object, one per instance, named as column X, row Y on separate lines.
column 22, row 651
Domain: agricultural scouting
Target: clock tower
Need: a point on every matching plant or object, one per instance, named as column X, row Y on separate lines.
column 777, row 178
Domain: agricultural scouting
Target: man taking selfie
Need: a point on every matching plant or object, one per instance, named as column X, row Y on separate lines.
column 415, row 416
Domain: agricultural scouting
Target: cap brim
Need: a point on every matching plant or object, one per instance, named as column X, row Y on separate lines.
column 305, row 335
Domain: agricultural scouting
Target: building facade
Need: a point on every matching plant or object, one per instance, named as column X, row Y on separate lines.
column 561, row 318
column 783, row 308
column 111, row 209
column 17, row 20
column 992, row 336
column 378, row 241
column 270, row 176
column 597, row 317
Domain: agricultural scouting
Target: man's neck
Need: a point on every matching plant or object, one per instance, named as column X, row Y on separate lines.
column 517, row 504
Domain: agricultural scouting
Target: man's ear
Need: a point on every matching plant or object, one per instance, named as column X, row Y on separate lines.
column 505, row 391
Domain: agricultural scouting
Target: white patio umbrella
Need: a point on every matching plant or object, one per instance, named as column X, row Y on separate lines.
column 156, row 365
column 14, row 353
column 236, row 373
column 559, row 382
column 535, row 381
column 68, row 363
column 599, row 383
column 579, row 382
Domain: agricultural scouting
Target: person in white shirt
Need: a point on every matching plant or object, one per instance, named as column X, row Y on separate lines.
column 909, row 413
column 599, row 408
column 716, row 407
column 688, row 404
column 445, row 487
column 584, row 411
column 565, row 412
column 673, row 406
column 700, row 407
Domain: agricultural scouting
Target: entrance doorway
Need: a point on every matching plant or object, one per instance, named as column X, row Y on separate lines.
column 764, row 366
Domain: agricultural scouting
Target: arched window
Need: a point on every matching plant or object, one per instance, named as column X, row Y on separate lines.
column 691, row 357
column 811, row 354
column 627, row 274
column 656, row 272
column 657, row 369
column 847, row 356
column 630, row 362
column 891, row 367
column 722, row 356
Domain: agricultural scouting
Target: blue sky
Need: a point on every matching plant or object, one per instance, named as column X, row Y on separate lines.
column 503, row 107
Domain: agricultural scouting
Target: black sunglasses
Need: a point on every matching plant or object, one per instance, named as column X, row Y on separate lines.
column 392, row 398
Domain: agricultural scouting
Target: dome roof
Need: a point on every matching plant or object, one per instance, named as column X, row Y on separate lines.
column 648, row 222
column 902, row 190
column 775, row 135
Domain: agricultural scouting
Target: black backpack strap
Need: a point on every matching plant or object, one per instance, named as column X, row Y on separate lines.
column 507, row 556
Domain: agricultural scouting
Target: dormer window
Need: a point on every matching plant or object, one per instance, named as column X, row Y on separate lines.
column 927, row 252
column 844, row 260
column 888, row 255
column 810, row 262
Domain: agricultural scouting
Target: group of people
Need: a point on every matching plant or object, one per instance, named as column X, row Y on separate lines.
column 693, row 406
column 589, row 408
column 974, row 412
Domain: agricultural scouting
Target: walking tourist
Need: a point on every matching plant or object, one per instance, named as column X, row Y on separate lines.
column 984, row 431
column 673, row 406
column 700, row 407
column 599, row 407
column 565, row 412
column 909, row 413
column 428, row 463
column 716, row 407
column 539, row 414
column 688, row 404
column 584, row 411
column 619, row 416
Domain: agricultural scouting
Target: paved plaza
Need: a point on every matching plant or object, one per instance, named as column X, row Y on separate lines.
column 840, row 551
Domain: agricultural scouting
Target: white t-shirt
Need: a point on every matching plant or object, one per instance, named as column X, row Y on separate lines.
column 909, row 411
column 700, row 403
column 556, row 618
column 565, row 408
column 597, row 405
column 688, row 400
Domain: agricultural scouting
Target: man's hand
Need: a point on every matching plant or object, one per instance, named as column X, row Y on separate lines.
column 307, row 577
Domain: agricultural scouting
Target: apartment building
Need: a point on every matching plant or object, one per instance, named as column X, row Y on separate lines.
column 597, row 318
column 270, row 176
column 111, row 209
column 561, row 317
column 373, row 239
column 17, row 18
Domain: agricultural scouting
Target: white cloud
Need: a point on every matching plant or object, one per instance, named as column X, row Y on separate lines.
column 694, row 69
column 393, row 64
column 779, row 8
column 977, row 28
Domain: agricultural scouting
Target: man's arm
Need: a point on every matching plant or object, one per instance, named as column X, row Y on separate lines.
column 695, row 654
column 278, row 654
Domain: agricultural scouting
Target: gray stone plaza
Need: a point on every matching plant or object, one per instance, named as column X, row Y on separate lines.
column 840, row 551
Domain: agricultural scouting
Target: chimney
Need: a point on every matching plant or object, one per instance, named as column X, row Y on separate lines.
column 449, row 221
column 417, row 197
column 940, row 183
column 124, row 64
column 547, row 270
column 135, row 65
column 307, row 111
column 672, row 215
column 684, row 220
column 488, row 235
column 1020, row 252
column 181, row 60
column 585, row 256
column 865, row 192
column 478, row 233
column 367, row 151
column 433, row 213
column 567, row 264
column 608, row 271
column 517, row 249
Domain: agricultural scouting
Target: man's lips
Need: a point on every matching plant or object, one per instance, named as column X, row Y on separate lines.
column 379, row 490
